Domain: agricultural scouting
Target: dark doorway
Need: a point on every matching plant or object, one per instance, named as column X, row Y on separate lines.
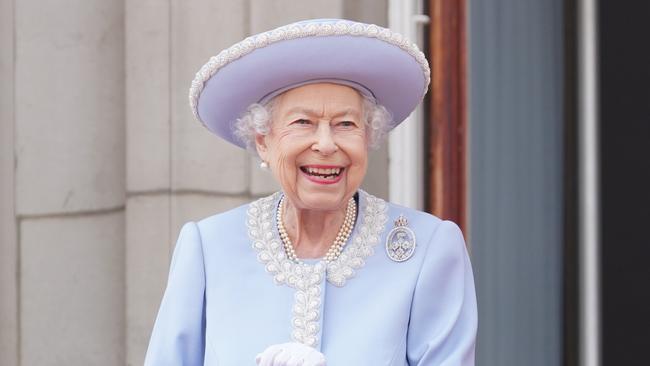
column 625, row 180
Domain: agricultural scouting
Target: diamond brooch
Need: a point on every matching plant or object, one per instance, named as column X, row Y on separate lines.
column 400, row 242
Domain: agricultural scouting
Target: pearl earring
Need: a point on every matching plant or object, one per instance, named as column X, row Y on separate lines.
column 264, row 165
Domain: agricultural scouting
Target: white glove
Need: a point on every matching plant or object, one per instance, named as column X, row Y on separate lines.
column 290, row 354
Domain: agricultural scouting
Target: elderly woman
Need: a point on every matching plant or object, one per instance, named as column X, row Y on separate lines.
column 321, row 272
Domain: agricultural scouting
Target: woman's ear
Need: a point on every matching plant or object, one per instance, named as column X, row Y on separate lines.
column 260, row 145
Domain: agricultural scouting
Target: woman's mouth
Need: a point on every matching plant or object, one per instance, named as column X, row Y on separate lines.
column 322, row 174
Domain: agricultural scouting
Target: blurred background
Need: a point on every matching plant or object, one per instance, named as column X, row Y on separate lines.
column 534, row 138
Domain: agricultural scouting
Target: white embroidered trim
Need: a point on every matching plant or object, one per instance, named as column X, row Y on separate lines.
column 361, row 243
column 293, row 31
column 306, row 278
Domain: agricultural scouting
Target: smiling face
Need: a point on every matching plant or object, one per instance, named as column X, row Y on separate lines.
column 317, row 148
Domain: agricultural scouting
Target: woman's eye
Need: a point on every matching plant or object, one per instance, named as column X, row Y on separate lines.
column 301, row 122
column 347, row 124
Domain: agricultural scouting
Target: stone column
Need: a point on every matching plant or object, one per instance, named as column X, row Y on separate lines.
column 69, row 174
column 177, row 171
column 8, row 243
column 148, row 235
column 208, row 175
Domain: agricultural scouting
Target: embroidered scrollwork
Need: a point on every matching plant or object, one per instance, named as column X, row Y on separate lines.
column 307, row 278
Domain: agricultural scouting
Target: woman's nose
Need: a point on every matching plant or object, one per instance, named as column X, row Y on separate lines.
column 324, row 140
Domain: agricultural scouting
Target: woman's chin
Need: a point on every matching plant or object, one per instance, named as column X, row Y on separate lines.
column 322, row 199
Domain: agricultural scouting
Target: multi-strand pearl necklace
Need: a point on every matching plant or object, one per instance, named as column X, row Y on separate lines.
column 341, row 238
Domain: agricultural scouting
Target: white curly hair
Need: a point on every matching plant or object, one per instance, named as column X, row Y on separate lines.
column 257, row 120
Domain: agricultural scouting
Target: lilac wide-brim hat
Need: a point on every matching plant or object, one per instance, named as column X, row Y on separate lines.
column 374, row 60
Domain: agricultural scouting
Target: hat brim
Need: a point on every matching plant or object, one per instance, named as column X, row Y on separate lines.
column 393, row 76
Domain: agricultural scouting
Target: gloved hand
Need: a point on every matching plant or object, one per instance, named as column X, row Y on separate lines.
column 290, row 354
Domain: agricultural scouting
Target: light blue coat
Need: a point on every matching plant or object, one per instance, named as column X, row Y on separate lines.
column 231, row 293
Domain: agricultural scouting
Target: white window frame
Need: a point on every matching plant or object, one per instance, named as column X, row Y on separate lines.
column 405, row 145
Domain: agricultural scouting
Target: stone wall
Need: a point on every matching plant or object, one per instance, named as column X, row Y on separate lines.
column 101, row 162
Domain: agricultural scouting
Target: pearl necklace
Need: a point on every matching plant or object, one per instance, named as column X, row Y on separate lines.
column 341, row 238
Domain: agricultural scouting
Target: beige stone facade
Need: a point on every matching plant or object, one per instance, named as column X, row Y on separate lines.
column 101, row 162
